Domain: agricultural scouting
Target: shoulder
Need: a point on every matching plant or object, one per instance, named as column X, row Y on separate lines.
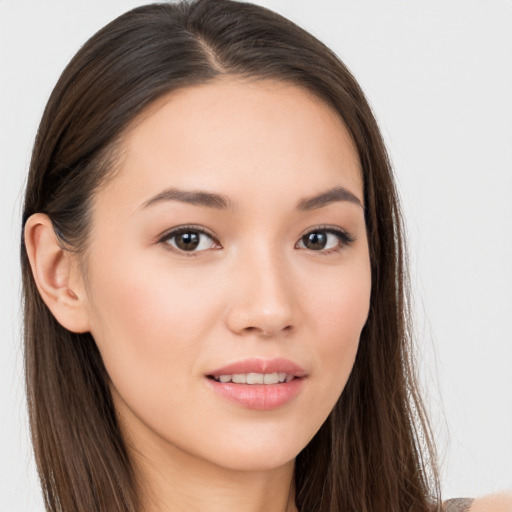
column 494, row 503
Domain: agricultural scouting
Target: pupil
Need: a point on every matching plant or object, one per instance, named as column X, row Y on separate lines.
column 187, row 241
column 315, row 241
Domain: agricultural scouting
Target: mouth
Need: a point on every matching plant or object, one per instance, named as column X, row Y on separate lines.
column 258, row 371
column 254, row 378
column 257, row 383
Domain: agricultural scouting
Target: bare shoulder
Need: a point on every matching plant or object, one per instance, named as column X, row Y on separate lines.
column 494, row 503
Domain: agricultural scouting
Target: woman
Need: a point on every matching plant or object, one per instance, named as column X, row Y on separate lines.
column 214, row 280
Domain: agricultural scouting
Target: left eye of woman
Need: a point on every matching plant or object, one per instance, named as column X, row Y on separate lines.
column 189, row 240
column 324, row 240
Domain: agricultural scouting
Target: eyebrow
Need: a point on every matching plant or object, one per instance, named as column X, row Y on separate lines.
column 329, row 196
column 195, row 197
column 221, row 202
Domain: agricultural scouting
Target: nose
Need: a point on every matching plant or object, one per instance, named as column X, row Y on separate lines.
column 262, row 299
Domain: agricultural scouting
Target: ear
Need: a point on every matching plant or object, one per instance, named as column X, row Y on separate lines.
column 56, row 274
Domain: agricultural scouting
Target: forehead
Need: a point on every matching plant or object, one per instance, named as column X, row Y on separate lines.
column 257, row 136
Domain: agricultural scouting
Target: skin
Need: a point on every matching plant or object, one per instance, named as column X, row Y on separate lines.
column 163, row 318
column 496, row 503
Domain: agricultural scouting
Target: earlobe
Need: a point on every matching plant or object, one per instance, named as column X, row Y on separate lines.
column 56, row 274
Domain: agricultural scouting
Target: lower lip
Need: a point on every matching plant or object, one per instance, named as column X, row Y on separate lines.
column 262, row 397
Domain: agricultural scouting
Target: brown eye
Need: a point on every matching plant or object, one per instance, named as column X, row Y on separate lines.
column 326, row 240
column 315, row 241
column 189, row 240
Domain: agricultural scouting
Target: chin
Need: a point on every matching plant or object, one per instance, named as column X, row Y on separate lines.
column 254, row 462
column 258, row 454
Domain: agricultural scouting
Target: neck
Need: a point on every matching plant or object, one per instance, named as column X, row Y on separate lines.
column 170, row 479
column 181, row 483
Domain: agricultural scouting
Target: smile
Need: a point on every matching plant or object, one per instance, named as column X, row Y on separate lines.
column 255, row 378
column 261, row 384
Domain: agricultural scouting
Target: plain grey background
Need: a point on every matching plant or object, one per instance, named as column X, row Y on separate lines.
column 438, row 74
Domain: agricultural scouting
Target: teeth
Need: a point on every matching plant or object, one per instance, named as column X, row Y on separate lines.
column 271, row 378
column 255, row 378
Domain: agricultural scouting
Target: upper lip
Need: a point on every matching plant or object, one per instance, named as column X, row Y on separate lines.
column 256, row 365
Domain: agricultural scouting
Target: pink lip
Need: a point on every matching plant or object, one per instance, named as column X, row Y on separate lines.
column 259, row 396
column 260, row 366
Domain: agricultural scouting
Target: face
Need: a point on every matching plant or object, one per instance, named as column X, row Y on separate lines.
column 228, row 275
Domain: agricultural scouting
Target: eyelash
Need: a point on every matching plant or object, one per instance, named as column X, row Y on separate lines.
column 344, row 239
column 169, row 235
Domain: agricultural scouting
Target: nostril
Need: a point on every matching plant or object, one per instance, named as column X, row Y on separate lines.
column 251, row 318
column 267, row 332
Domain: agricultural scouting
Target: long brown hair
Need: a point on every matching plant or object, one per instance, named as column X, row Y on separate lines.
column 374, row 452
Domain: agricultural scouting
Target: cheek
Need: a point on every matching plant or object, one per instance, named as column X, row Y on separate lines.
column 342, row 300
column 151, row 343
column 148, row 324
column 340, row 329
column 340, row 313
column 150, row 299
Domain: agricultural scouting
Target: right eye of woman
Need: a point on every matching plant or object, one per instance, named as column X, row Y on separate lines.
column 189, row 240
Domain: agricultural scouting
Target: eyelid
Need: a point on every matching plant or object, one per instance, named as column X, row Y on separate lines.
column 170, row 233
column 343, row 235
column 183, row 228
